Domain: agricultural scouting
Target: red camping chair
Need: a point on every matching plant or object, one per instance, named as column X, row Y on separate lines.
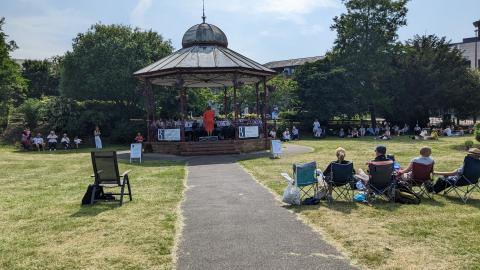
column 421, row 176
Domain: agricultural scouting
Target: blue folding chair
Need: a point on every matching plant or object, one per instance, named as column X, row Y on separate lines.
column 340, row 181
column 305, row 178
column 468, row 182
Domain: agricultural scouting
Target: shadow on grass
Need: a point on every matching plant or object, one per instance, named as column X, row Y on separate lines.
column 93, row 210
column 456, row 200
column 345, row 207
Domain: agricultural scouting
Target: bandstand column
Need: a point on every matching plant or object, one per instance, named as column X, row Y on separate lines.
column 257, row 109
column 225, row 111
column 182, row 94
column 235, row 105
column 148, row 92
column 265, row 108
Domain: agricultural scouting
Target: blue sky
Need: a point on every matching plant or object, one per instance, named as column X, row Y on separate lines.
column 263, row 30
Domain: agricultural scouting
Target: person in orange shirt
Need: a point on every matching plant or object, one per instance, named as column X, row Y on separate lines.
column 208, row 120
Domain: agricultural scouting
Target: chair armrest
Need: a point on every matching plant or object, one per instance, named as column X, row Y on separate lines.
column 125, row 173
column 288, row 178
column 99, row 172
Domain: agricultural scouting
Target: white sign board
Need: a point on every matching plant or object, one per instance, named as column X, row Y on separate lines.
column 276, row 148
column 248, row 132
column 135, row 151
column 169, row 134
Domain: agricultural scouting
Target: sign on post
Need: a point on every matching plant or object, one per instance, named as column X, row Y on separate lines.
column 245, row 132
column 136, row 151
column 169, row 134
column 276, row 148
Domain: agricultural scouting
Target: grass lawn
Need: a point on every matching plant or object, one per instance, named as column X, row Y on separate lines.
column 439, row 234
column 43, row 225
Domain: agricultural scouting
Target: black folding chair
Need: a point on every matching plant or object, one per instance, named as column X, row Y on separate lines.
column 468, row 182
column 105, row 171
column 382, row 181
column 340, row 182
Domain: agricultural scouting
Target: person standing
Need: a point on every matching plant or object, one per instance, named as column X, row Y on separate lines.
column 208, row 120
column 98, row 140
column 139, row 138
column 317, row 130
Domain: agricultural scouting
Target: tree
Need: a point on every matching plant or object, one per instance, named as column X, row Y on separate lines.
column 429, row 77
column 103, row 60
column 366, row 39
column 42, row 76
column 285, row 95
column 324, row 90
column 12, row 85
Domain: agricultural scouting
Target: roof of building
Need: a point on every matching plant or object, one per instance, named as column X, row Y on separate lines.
column 204, row 33
column 293, row 62
column 205, row 61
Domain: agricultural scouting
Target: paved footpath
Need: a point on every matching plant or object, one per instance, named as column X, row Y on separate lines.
column 232, row 222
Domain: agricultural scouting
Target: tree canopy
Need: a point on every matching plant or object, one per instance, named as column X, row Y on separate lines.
column 103, row 60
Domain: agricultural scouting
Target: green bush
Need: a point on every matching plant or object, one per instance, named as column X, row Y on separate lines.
column 32, row 109
column 468, row 144
column 477, row 132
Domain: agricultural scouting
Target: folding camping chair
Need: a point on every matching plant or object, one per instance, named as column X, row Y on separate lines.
column 106, row 174
column 468, row 182
column 304, row 178
column 381, row 182
column 421, row 176
column 340, row 181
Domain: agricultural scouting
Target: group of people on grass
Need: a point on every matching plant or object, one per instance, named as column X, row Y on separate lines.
column 52, row 140
column 39, row 143
column 445, row 180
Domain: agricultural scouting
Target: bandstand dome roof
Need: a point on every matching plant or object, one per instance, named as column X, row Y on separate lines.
column 204, row 61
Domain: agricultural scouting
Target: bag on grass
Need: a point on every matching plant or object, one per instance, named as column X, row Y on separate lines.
column 291, row 195
column 406, row 197
column 88, row 194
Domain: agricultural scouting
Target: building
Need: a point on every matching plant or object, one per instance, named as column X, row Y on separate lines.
column 287, row 67
column 470, row 47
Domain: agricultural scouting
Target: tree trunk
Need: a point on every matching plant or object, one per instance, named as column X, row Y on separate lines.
column 373, row 116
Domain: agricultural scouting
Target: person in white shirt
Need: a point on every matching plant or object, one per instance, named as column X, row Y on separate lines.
column 317, row 130
column 52, row 141
column 98, row 140
column 286, row 135
column 273, row 134
column 38, row 142
column 447, row 131
column 65, row 141
column 362, row 131
column 77, row 141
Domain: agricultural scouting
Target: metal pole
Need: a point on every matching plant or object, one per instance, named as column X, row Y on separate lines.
column 225, row 101
column 476, row 48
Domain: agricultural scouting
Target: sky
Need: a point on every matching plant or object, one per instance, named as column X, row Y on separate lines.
column 264, row 30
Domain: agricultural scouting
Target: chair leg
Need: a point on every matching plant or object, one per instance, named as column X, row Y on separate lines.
column 92, row 198
column 129, row 189
column 122, row 192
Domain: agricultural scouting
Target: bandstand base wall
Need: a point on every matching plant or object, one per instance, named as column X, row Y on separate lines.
column 211, row 148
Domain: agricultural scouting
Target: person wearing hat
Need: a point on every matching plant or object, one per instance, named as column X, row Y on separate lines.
column 381, row 158
column 451, row 178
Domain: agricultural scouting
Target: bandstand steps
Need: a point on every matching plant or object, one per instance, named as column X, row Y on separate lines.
column 206, row 148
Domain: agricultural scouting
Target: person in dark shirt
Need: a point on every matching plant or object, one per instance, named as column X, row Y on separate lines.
column 340, row 153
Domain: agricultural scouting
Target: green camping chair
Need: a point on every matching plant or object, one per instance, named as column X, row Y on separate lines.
column 106, row 174
column 305, row 178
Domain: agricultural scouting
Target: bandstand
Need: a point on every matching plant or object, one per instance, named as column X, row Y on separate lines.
column 205, row 61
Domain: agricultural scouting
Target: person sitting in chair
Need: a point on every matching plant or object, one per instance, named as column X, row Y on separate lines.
column 340, row 153
column 139, row 138
column 295, row 134
column 52, row 141
column 77, row 141
column 65, row 141
column 286, row 135
column 449, row 179
column 381, row 158
column 38, row 142
column 424, row 159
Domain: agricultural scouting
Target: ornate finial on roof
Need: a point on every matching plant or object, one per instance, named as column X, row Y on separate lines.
column 204, row 17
